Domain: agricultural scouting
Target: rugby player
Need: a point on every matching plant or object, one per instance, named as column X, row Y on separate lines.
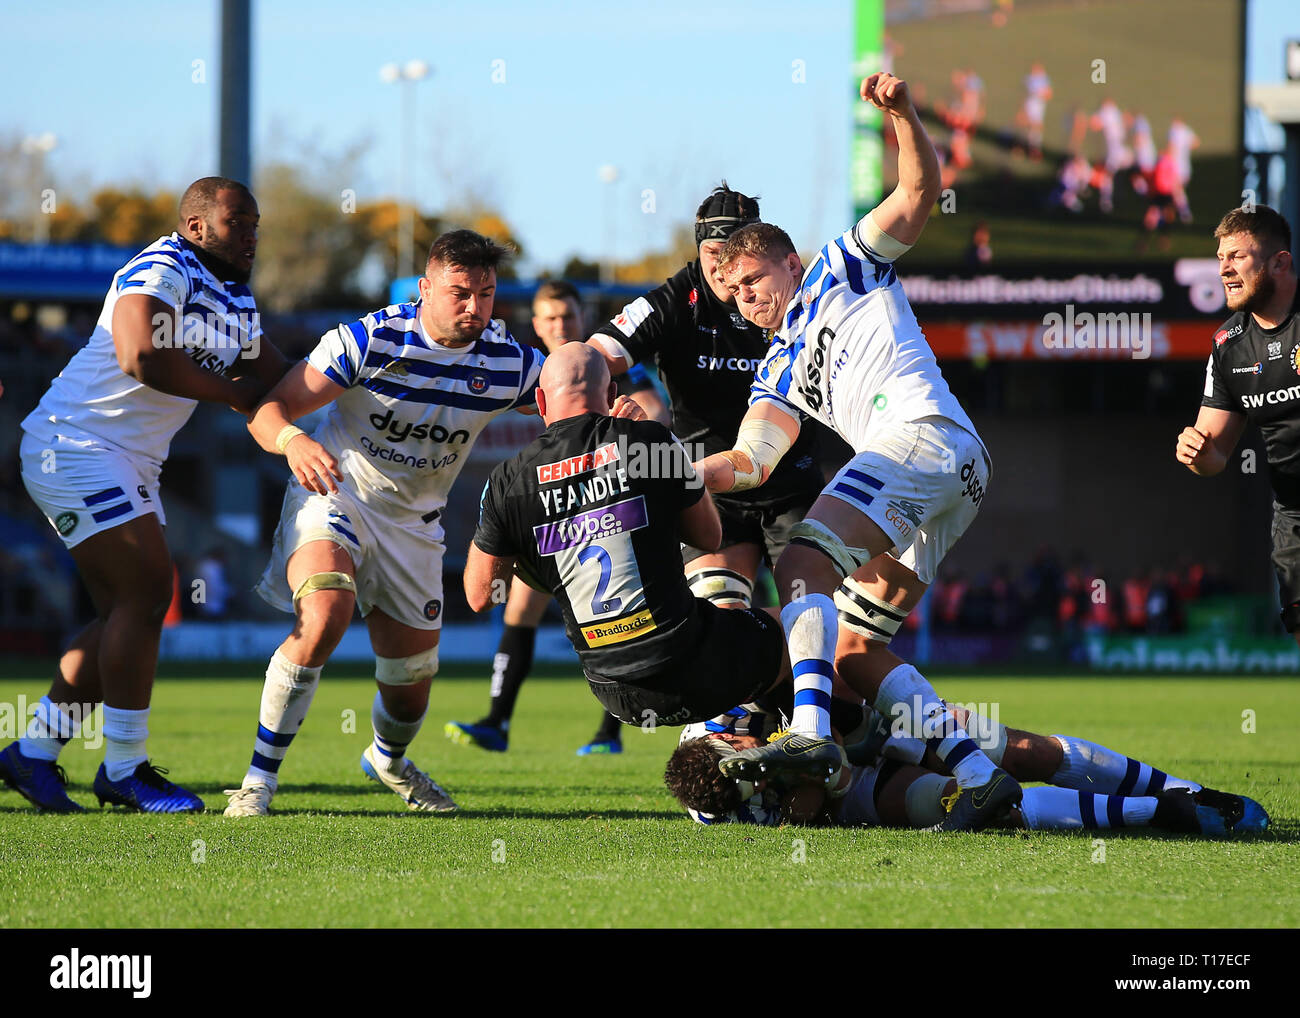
column 594, row 511
column 849, row 353
column 897, row 782
column 179, row 325
column 1251, row 375
column 557, row 320
column 707, row 354
column 408, row 388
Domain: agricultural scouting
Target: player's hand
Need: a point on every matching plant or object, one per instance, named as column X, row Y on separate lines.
column 247, row 392
column 313, row 466
column 887, row 92
column 1191, row 444
column 628, row 408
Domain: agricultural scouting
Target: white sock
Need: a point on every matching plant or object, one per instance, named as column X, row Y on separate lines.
column 49, row 731
column 917, row 710
column 286, row 697
column 125, row 735
column 811, row 626
column 1094, row 768
column 1063, row 809
column 391, row 736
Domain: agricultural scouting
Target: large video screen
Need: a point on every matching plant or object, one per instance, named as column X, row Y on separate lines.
column 1074, row 130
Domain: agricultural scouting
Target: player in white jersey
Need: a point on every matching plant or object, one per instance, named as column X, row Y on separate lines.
column 848, row 351
column 408, row 388
column 179, row 325
column 893, row 782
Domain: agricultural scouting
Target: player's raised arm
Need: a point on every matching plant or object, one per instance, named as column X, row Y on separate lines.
column 302, row 390
column 1204, row 448
column 766, row 433
column 147, row 334
column 902, row 214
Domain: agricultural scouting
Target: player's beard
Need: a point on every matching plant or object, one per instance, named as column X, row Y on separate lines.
column 1255, row 297
column 218, row 258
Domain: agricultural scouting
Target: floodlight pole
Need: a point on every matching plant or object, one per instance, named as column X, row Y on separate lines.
column 235, row 159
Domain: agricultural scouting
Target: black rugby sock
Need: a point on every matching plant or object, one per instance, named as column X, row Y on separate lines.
column 514, row 659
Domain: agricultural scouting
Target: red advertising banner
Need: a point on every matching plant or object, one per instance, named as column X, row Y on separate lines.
column 1115, row 337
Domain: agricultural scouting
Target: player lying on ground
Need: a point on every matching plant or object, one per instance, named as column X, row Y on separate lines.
column 594, row 511
column 179, row 325
column 896, row 781
column 557, row 320
column 848, row 352
column 408, row 388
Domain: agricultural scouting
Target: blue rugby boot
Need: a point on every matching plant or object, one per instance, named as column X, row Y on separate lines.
column 40, row 782
column 146, row 790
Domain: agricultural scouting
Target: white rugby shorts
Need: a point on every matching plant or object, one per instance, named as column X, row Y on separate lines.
column 398, row 566
column 921, row 483
column 85, row 489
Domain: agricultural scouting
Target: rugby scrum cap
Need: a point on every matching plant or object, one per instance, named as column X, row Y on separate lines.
column 723, row 213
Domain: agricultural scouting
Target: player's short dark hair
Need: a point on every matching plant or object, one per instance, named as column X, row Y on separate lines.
column 759, row 240
column 465, row 249
column 556, row 289
column 693, row 777
column 200, row 196
column 1266, row 225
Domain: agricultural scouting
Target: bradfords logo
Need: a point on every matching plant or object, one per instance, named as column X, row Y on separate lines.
column 811, row 391
column 574, row 465
column 399, row 431
column 1223, row 335
column 621, row 517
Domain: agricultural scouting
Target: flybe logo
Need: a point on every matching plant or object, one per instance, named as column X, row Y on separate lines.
column 399, row 431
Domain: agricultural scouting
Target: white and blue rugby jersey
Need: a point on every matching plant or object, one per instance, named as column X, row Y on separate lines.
column 413, row 408
column 94, row 403
column 849, row 351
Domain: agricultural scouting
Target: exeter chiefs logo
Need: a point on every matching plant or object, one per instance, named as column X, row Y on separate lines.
column 478, row 383
column 1295, row 358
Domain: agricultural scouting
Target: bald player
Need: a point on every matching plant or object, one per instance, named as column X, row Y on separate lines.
column 595, row 510
column 179, row 325
column 558, row 321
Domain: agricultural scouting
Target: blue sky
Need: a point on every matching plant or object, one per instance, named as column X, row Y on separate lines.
column 676, row 95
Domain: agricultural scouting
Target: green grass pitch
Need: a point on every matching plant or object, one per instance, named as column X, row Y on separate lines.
column 545, row 838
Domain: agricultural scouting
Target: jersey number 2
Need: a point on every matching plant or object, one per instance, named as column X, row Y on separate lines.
column 600, row 605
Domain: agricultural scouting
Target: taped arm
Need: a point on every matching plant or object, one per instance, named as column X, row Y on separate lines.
column 766, row 434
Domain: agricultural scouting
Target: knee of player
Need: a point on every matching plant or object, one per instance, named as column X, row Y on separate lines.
column 803, row 570
column 1030, row 757
column 404, row 683
column 149, row 594
column 323, row 603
